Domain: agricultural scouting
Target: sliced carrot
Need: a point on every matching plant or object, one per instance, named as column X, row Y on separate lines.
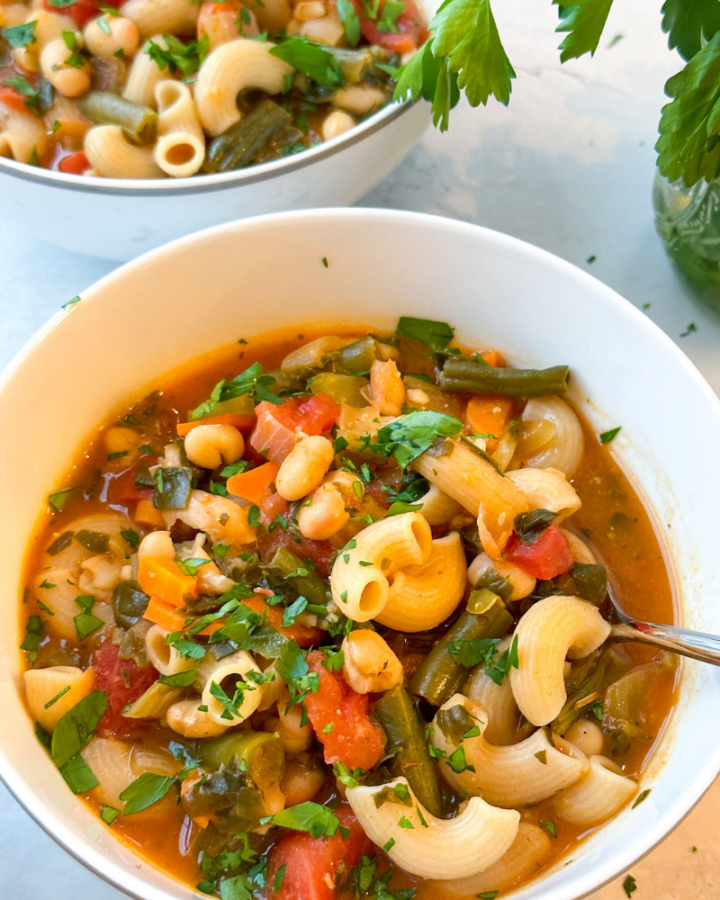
column 493, row 358
column 255, row 485
column 244, row 422
column 162, row 579
column 304, row 635
column 167, row 617
column 487, row 414
column 171, row 619
column 146, row 514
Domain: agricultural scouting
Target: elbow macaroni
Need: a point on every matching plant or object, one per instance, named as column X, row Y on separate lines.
column 548, row 632
column 440, row 848
column 111, row 155
column 180, row 152
column 359, row 578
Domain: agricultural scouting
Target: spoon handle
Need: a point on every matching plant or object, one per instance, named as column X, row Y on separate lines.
column 695, row 644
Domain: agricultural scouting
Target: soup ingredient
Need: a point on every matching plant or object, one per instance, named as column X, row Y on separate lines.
column 311, row 868
column 406, row 745
column 137, row 121
column 355, row 739
column 123, row 681
column 472, row 375
column 547, row 557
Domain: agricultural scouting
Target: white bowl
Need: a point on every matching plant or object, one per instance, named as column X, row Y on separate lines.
column 122, row 218
column 252, row 276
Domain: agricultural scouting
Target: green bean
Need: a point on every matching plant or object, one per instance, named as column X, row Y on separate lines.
column 258, row 753
column 311, row 585
column 240, row 146
column 463, row 375
column 587, row 678
column 397, row 713
column 438, row 676
column 356, row 358
column 140, row 122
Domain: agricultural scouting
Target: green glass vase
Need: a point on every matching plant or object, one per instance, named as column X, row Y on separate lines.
column 688, row 222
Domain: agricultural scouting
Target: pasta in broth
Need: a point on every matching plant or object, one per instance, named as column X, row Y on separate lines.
column 158, row 88
column 286, row 623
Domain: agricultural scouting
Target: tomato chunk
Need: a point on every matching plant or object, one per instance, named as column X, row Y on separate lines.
column 123, row 681
column 81, row 10
column 13, row 99
column 411, row 30
column 320, row 553
column 355, row 739
column 547, row 558
column 314, row 866
column 74, row 163
column 123, row 490
column 278, row 423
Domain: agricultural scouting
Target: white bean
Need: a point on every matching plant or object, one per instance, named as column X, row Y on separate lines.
column 303, row 470
column 157, row 543
column 336, row 123
column 71, row 81
column 117, row 33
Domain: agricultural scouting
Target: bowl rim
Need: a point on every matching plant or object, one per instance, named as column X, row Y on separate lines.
column 156, row 187
column 707, row 769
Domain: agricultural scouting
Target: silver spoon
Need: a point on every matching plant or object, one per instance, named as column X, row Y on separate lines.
column 695, row 644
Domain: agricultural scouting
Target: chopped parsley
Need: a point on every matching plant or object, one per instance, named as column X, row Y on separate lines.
column 179, row 57
column 85, row 622
column 608, row 436
column 316, row 820
column 20, row 35
column 411, row 435
column 629, row 885
column 58, row 499
column 146, row 790
column 313, row 60
column 435, row 335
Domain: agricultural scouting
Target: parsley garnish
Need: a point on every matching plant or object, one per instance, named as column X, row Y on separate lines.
column 313, row 60
column 108, row 813
column 316, row 820
column 350, row 21
column 33, row 636
column 145, row 790
column 435, row 335
column 186, row 58
column 85, row 622
column 250, row 382
column 410, row 436
column 20, row 35
column 498, row 669
column 607, row 436
column 57, row 696
column 58, row 499
column 629, row 885
column 179, row 679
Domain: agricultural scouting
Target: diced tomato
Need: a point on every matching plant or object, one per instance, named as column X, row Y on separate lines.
column 547, row 558
column 304, row 635
column 320, row 553
column 81, row 10
column 314, row 866
column 279, row 423
column 410, row 24
column 123, row 490
column 123, row 681
column 13, row 99
column 74, row 163
column 355, row 738
column 376, row 490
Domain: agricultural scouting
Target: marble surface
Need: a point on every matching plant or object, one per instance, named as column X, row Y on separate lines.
column 567, row 166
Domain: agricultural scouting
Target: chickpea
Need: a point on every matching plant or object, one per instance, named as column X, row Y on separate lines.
column 386, row 388
column 209, row 446
column 370, row 665
column 186, row 718
column 325, row 515
column 107, row 35
column 335, row 124
column 302, row 780
column 359, row 98
column 157, row 543
column 121, row 440
column 71, row 81
column 309, row 10
column 587, row 737
column 304, row 468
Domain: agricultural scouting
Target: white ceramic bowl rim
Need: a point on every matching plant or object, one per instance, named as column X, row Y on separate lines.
column 706, row 770
column 199, row 184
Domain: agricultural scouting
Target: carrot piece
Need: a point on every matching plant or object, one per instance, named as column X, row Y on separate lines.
column 487, row 414
column 254, row 486
column 244, row 422
column 146, row 514
column 493, row 358
column 167, row 617
column 162, row 579
column 303, row 635
column 13, row 99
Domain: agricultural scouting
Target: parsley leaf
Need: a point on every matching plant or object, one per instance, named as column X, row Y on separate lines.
column 350, row 21
column 689, row 144
column 77, row 726
column 310, row 817
column 584, row 21
column 471, row 653
column 498, row 669
column 435, row 335
column 311, row 59
column 629, row 885
column 20, row 35
column 85, row 622
column 144, row 791
column 409, row 436
column 607, row 436
column 186, row 58
column 251, row 382
column 690, row 23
